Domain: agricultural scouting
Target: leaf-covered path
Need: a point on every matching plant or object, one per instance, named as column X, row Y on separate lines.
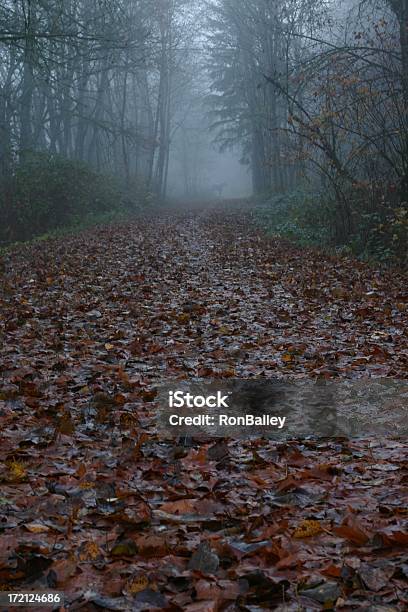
column 94, row 503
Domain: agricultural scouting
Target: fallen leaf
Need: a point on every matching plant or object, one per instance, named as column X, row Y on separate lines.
column 307, row 529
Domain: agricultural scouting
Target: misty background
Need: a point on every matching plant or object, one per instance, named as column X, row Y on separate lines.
column 302, row 103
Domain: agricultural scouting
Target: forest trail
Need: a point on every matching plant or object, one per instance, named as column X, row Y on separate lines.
column 99, row 503
column 206, row 290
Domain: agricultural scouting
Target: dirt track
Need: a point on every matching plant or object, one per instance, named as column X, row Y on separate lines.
column 93, row 500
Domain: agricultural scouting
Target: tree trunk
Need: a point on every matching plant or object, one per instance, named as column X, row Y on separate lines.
column 400, row 9
column 27, row 86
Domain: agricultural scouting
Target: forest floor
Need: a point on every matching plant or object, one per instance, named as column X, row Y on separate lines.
column 96, row 504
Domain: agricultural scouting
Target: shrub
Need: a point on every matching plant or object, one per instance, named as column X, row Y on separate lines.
column 369, row 227
column 388, row 237
column 47, row 191
column 298, row 215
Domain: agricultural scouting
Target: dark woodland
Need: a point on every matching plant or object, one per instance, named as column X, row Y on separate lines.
column 203, row 191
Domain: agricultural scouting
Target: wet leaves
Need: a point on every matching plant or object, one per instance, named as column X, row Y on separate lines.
column 307, row 529
column 94, row 503
column 204, row 560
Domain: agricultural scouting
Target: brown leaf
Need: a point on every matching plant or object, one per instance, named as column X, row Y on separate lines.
column 151, row 546
column 137, row 583
column 307, row 529
column 181, row 506
column 354, row 534
column 36, row 527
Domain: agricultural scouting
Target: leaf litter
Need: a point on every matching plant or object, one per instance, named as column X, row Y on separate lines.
column 95, row 504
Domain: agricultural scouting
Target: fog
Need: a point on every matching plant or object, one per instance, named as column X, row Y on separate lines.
column 207, row 99
column 218, row 175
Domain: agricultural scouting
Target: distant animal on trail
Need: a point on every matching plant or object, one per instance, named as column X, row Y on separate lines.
column 218, row 189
